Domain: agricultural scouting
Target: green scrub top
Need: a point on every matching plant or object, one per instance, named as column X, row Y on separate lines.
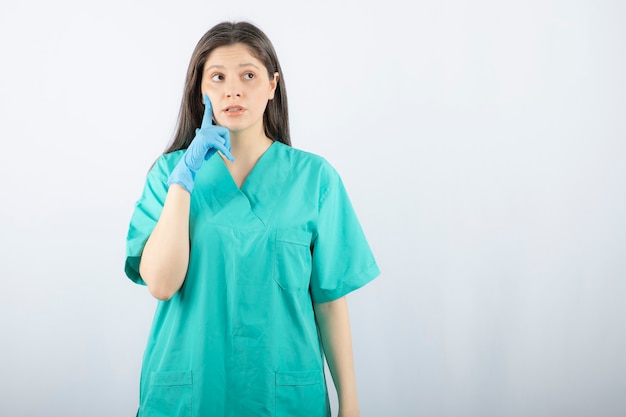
column 240, row 338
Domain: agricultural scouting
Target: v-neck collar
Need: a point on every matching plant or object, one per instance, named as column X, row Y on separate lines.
column 261, row 188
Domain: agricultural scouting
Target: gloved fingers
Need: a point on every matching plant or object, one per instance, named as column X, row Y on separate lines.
column 208, row 142
column 222, row 149
column 227, row 139
column 207, row 118
column 221, row 130
column 195, row 154
column 215, row 130
column 224, row 133
column 198, row 150
column 227, row 154
column 206, row 137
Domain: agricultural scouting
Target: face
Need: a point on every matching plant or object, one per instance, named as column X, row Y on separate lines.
column 239, row 88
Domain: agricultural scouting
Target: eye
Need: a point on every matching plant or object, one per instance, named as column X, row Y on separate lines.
column 248, row 76
column 217, row 77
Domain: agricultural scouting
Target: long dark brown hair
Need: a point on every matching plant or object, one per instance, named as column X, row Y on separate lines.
column 276, row 116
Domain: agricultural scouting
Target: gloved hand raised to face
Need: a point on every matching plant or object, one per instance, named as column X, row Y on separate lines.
column 208, row 140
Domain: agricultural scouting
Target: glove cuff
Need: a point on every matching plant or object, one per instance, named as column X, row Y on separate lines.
column 182, row 175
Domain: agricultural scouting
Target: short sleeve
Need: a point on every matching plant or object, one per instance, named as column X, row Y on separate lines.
column 147, row 212
column 342, row 258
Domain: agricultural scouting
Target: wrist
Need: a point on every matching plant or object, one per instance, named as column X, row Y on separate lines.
column 178, row 188
column 182, row 176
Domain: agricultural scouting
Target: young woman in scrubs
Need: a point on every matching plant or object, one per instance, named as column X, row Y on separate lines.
column 249, row 245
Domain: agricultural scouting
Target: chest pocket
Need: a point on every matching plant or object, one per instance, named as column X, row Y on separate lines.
column 292, row 263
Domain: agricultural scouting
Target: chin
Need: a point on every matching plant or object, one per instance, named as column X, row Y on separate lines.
column 234, row 127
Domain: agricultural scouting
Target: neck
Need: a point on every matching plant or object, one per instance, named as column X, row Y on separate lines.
column 247, row 146
column 247, row 150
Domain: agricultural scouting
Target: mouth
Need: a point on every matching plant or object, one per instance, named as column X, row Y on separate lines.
column 234, row 109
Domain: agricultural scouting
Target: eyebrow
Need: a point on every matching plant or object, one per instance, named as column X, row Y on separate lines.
column 247, row 64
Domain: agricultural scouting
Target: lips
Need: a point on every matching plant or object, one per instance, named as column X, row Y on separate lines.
column 233, row 109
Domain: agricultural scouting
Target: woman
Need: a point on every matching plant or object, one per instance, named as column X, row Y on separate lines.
column 251, row 247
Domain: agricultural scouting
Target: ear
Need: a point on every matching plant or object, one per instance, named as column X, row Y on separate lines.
column 273, row 85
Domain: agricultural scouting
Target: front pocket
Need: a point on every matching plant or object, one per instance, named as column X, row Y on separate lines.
column 301, row 394
column 169, row 395
column 292, row 266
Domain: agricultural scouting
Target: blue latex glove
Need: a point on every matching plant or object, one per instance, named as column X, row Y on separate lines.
column 208, row 140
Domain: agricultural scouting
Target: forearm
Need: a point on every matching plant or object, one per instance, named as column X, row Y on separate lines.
column 334, row 324
column 165, row 256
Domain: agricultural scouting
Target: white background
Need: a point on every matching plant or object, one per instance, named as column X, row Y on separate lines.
column 483, row 144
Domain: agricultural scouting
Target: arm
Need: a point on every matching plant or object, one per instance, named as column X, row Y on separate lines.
column 334, row 325
column 165, row 256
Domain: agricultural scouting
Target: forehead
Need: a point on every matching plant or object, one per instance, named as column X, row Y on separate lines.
column 232, row 55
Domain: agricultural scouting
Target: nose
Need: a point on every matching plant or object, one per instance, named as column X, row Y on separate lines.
column 233, row 89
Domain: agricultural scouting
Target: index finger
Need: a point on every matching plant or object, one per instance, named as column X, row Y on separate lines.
column 207, row 118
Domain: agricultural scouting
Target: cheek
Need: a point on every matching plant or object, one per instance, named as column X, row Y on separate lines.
column 207, row 86
column 206, row 89
column 209, row 91
column 264, row 93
